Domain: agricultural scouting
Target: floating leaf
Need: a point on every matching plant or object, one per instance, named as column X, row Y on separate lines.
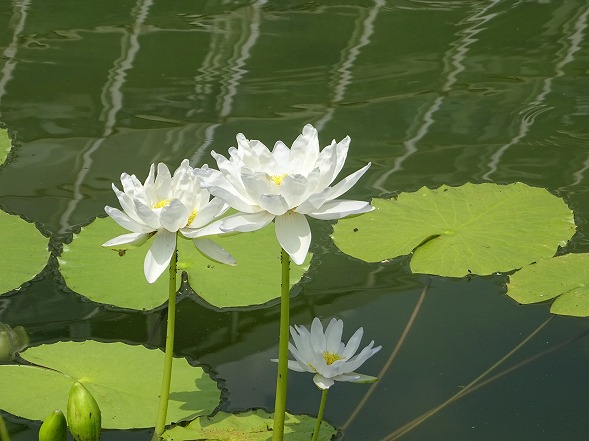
column 253, row 281
column 565, row 278
column 454, row 231
column 254, row 425
column 23, row 253
column 104, row 276
column 5, row 145
column 125, row 380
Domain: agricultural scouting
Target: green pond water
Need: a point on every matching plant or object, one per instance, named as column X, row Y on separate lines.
column 431, row 92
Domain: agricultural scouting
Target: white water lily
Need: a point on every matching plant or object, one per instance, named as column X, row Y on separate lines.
column 325, row 355
column 284, row 185
column 162, row 206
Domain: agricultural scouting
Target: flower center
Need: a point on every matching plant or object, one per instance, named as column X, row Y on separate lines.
column 191, row 217
column 162, row 203
column 278, row 178
column 331, row 357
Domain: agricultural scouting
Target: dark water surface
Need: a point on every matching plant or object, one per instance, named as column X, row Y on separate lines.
column 431, row 92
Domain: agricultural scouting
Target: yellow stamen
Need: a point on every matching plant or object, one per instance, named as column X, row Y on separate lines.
column 331, row 357
column 191, row 217
column 278, row 178
column 162, row 203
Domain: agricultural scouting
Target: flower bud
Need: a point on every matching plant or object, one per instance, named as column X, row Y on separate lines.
column 54, row 428
column 3, row 430
column 83, row 414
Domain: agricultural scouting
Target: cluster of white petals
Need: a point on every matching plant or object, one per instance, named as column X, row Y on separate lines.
column 160, row 208
column 284, row 185
column 325, row 355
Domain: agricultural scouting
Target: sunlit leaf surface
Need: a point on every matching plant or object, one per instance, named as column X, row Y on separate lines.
column 125, row 380
column 5, row 145
column 455, row 231
column 114, row 278
column 565, row 278
column 23, row 253
column 253, row 425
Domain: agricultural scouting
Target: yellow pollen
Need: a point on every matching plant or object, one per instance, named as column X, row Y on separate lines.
column 330, row 357
column 191, row 217
column 278, row 178
column 162, row 203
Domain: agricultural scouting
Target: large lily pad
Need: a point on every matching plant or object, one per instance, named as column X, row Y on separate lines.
column 455, row 231
column 105, row 276
column 254, row 425
column 125, row 380
column 565, row 278
column 23, row 253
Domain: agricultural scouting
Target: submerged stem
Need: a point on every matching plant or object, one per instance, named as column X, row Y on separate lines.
column 465, row 390
column 169, row 354
column 280, row 403
column 320, row 415
column 391, row 358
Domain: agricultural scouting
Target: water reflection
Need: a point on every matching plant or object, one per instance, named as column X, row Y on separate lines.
column 112, row 98
column 431, row 92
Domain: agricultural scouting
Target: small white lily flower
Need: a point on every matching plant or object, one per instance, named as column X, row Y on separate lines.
column 325, row 355
column 284, row 185
column 161, row 207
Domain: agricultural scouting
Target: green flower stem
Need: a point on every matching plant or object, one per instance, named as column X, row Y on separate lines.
column 320, row 415
column 169, row 355
column 281, row 379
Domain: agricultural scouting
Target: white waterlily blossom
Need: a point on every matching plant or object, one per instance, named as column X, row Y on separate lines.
column 284, row 185
column 325, row 355
column 162, row 206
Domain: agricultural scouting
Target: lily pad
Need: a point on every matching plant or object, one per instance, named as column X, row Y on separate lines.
column 106, row 276
column 5, row 145
column 23, row 253
column 455, row 231
column 254, row 425
column 565, row 278
column 125, row 380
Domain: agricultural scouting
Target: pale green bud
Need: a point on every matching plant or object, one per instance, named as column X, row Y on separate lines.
column 83, row 414
column 3, row 430
column 54, row 428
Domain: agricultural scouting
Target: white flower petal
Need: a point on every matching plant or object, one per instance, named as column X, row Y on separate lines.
column 281, row 155
column 294, row 235
column 353, row 344
column 126, row 222
column 305, row 151
column 163, row 183
column 340, row 208
column 174, row 215
column 333, row 335
column 215, row 208
column 322, row 382
column 351, row 376
column 258, row 184
column 159, row 255
column 348, row 182
column 127, row 241
column 246, row 222
column 210, row 230
column 214, row 252
column 147, row 215
column 273, row 204
column 361, row 378
column 294, row 189
column 317, row 336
